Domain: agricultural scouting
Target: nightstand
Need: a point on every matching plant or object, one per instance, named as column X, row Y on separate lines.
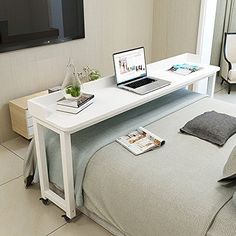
column 21, row 120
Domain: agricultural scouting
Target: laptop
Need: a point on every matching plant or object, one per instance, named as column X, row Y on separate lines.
column 131, row 72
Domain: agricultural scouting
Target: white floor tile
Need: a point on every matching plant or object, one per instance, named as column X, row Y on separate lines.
column 82, row 227
column 23, row 214
column 223, row 95
column 18, row 146
column 11, row 166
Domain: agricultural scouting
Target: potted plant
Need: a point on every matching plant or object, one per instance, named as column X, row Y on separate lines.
column 73, row 91
column 73, row 82
column 72, row 86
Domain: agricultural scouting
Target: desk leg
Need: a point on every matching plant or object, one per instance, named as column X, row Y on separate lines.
column 211, row 85
column 41, row 158
column 67, row 204
column 68, row 178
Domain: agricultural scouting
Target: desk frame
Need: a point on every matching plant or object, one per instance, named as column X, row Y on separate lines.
column 68, row 202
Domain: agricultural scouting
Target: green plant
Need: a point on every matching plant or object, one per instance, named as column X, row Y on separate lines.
column 89, row 74
column 74, row 91
column 94, row 74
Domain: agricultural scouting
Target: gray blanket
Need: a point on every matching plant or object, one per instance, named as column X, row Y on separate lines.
column 172, row 190
column 224, row 223
column 88, row 141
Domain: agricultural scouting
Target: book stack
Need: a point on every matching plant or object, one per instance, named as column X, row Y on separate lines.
column 76, row 105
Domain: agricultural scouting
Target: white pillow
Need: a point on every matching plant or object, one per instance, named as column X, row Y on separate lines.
column 229, row 172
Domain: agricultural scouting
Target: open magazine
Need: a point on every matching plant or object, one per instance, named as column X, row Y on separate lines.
column 184, row 69
column 140, row 141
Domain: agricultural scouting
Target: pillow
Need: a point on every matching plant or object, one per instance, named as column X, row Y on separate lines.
column 211, row 126
column 229, row 172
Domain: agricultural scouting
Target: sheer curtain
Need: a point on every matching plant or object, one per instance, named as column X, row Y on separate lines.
column 225, row 22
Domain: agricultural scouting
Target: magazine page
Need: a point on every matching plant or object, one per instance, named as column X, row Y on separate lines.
column 184, row 69
column 140, row 141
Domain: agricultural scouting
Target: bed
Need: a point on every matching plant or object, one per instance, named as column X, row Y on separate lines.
column 172, row 190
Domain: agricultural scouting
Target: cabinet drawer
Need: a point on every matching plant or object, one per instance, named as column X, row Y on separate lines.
column 30, row 132
column 22, row 122
column 27, row 114
column 29, row 121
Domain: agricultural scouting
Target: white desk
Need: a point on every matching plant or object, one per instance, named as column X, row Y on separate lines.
column 109, row 101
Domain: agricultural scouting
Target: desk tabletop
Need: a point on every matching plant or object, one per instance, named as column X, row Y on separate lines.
column 110, row 100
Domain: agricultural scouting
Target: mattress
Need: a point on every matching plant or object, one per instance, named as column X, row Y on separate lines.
column 172, row 190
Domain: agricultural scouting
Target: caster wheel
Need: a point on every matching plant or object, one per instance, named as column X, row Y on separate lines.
column 66, row 218
column 45, row 201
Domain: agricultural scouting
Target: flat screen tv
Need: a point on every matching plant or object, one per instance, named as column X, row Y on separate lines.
column 29, row 23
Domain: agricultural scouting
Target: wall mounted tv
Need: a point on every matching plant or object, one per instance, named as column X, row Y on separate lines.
column 29, row 23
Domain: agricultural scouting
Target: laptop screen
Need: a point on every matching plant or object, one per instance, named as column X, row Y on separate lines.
column 129, row 65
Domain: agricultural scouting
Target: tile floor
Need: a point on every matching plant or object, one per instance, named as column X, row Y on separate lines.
column 21, row 213
column 221, row 92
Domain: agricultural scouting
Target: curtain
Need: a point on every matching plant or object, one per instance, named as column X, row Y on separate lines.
column 225, row 22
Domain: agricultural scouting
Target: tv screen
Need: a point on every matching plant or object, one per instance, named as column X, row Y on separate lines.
column 29, row 23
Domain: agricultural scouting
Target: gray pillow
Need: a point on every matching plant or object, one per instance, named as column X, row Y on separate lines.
column 212, row 126
column 229, row 172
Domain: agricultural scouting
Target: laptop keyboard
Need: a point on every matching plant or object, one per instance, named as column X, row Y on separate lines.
column 140, row 83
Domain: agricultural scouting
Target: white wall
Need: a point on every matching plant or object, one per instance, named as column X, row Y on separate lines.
column 175, row 27
column 110, row 26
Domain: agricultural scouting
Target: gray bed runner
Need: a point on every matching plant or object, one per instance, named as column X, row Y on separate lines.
column 169, row 191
